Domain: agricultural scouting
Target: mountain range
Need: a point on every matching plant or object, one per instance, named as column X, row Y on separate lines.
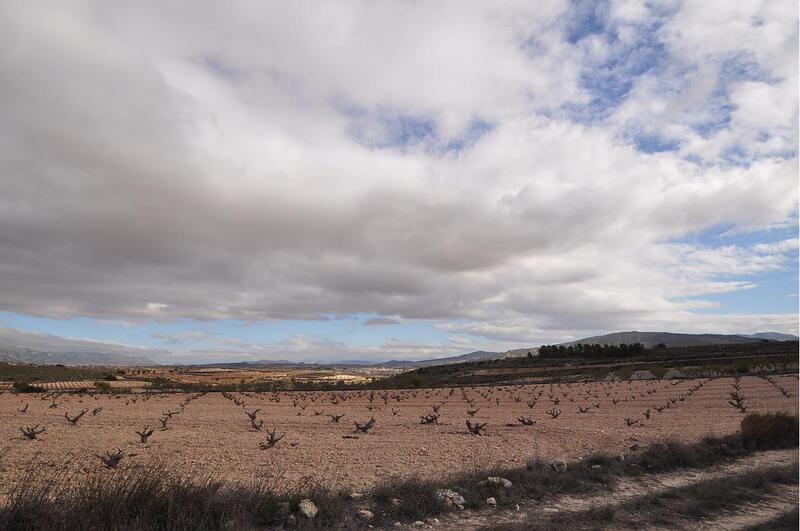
column 17, row 354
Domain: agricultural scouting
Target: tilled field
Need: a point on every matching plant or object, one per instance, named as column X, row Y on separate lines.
column 212, row 435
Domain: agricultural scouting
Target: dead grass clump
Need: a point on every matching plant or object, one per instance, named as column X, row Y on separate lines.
column 769, row 430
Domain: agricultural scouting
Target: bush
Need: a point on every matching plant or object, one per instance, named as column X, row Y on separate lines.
column 153, row 498
column 25, row 387
column 769, row 430
column 103, row 386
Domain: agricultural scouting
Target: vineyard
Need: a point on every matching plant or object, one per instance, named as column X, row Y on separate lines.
column 356, row 438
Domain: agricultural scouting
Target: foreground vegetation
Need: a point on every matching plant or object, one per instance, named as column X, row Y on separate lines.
column 154, row 498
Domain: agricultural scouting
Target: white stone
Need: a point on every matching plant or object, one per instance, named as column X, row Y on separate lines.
column 448, row 498
column 307, row 508
column 500, row 482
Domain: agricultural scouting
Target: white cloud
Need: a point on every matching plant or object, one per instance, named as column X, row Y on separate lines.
column 195, row 160
column 783, row 246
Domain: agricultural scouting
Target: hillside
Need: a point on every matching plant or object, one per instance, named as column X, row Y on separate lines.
column 651, row 339
column 14, row 354
column 735, row 358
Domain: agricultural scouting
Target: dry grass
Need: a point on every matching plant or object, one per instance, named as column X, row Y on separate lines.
column 770, row 430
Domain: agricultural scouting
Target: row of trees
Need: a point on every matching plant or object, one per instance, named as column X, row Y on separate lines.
column 583, row 350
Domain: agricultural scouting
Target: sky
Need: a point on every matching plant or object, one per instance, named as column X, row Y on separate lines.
column 205, row 181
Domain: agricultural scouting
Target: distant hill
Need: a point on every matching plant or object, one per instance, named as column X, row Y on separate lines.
column 14, row 354
column 772, row 336
column 651, row 339
column 479, row 355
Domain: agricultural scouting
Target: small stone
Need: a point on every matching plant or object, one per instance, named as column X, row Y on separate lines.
column 307, row 508
column 634, row 447
column 596, row 467
column 449, row 498
column 500, row 482
column 395, row 502
column 560, row 465
column 355, row 496
column 418, row 523
column 365, row 515
column 491, row 502
column 516, row 507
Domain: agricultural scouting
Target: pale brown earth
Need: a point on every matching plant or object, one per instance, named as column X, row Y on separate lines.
column 214, row 436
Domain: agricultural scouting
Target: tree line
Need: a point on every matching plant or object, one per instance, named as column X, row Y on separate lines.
column 608, row 351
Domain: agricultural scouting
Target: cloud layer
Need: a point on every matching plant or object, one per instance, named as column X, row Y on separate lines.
column 515, row 172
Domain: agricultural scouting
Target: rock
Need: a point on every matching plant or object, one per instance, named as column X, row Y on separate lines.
column 499, row 482
column 307, row 508
column 365, row 515
column 397, row 524
column 450, row 498
column 491, row 502
column 291, row 519
column 418, row 523
column 516, row 507
column 560, row 465
column 634, row 447
column 596, row 467
column 395, row 502
column 355, row 496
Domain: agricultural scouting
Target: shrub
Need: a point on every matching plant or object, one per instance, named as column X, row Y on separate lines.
column 25, row 387
column 103, row 386
column 769, row 430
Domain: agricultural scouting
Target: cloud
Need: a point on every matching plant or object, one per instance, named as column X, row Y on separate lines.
column 782, row 246
column 449, row 162
column 373, row 321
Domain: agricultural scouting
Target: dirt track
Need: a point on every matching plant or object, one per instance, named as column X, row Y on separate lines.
column 213, row 435
column 749, row 513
